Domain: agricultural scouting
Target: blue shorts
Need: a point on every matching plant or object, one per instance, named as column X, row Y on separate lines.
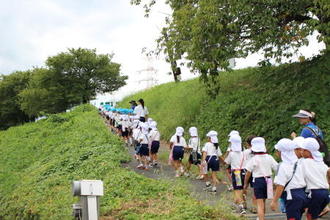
column 154, row 147
column 191, row 160
column 319, row 200
column 178, row 152
column 233, row 180
column 213, row 163
column 260, row 188
column 142, row 119
column 296, row 206
column 144, row 150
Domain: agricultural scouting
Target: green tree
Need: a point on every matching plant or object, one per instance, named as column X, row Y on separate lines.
column 10, row 86
column 210, row 32
column 83, row 74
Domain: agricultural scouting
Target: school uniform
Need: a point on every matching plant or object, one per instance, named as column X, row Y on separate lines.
column 144, row 148
column 212, row 156
column 315, row 175
column 236, row 161
column 261, row 166
column 178, row 147
column 292, row 178
column 194, row 143
column 141, row 112
column 247, row 157
column 125, row 128
column 154, row 137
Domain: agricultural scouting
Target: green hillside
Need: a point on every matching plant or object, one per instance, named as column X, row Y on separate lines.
column 256, row 101
column 40, row 160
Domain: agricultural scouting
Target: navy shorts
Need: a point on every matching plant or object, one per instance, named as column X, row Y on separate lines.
column 178, row 153
column 233, row 180
column 124, row 133
column 144, row 150
column 199, row 157
column 154, row 147
column 295, row 207
column 213, row 163
column 260, row 188
column 142, row 119
column 319, row 200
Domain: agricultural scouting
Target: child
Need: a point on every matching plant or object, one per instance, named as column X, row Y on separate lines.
column 211, row 155
column 236, row 161
column 228, row 170
column 178, row 143
column 261, row 166
column 316, row 175
column 290, row 183
column 125, row 128
column 154, row 138
column 144, row 149
column 195, row 154
column 248, row 155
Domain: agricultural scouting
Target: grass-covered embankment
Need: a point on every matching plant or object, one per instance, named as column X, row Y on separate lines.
column 256, row 101
column 40, row 161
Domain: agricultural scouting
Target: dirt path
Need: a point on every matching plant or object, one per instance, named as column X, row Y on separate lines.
column 165, row 171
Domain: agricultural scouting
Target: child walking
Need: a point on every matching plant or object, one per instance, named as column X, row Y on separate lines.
column 261, row 166
column 154, row 138
column 211, row 154
column 177, row 146
column 195, row 152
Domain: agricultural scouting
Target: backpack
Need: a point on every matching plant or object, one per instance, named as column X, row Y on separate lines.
column 323, row 147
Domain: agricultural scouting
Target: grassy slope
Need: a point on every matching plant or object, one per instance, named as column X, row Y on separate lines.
column 40, row 160
column 256, row 101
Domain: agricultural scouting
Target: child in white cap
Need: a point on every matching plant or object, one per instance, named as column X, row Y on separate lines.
column 228, row 169
column 195, row 151
column 144, row 147
column 154, row 138
column 177, row 146
column 236, row 160
column 261, row 166
column 316, row 175
column 211, row 155
column 290, row 183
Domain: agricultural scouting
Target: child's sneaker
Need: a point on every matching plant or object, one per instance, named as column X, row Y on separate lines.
column 200, row 177
column 230, row 188
column 242, row 210
column 207, row 186
column 186, row 174
column 140, row 166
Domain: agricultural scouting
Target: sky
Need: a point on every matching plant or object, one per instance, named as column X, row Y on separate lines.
column 33, row 30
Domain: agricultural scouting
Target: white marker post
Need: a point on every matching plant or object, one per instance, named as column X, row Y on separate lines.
column 89, row 192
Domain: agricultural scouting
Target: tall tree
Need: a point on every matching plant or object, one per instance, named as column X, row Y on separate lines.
column 210, row 32
column 10, row 86
column 83, row 74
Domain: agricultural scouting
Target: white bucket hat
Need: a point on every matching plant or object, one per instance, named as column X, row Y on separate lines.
column 179, row 131
column 233, row 132
column 286, row 147
column 258, row 145
column 312, row 146
column 236, row 142
column 213, row 136
column 193, row 132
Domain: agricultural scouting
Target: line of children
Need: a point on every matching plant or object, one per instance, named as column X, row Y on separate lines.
column 302, row 168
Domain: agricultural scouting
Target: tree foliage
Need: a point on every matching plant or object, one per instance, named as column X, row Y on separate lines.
column 210, row 32
column 10, row 87
column 69, row 78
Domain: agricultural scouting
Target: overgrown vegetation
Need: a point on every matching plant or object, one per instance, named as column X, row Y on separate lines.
column 256, row 101
column 40, row 160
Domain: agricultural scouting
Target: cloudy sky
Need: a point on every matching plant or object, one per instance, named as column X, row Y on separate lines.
column 33, row 30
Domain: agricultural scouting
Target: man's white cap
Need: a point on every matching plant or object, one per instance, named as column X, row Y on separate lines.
column 303, row 114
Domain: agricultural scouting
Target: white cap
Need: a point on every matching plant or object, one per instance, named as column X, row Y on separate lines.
column 286, row 147
column 258, row 145
column 213, row 136
column 312, row 146
column 299, row 141
column 193, row 132
column 236, row 142
column 179, row 131
column 233, row 132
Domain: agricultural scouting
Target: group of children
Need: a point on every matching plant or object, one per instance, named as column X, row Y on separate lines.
column 301, row 178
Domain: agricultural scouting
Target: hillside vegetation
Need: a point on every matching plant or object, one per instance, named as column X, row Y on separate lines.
column 40, row 160
column 258, row 101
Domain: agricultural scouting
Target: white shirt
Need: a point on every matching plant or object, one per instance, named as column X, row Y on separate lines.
column 182, row 141
column 125, row 124
column 285, row 173
column 261, row 165
column 143, row 139
column 235, row 159
column 154, row 135
column 136, row 133
column 140, row 111
column 315, row 174
column 210, row 150
column 194, row 143
column 247, row 156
